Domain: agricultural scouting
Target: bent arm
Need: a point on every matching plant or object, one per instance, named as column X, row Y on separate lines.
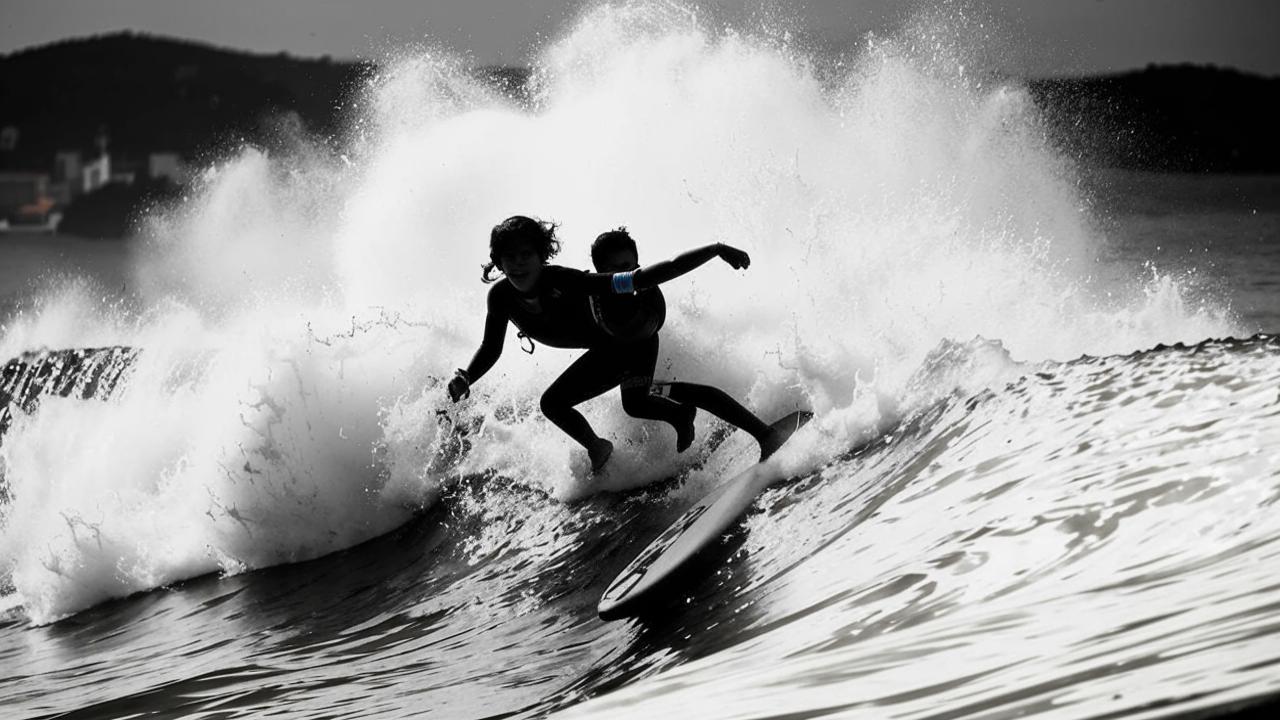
column 660, row 272
column 495, row 331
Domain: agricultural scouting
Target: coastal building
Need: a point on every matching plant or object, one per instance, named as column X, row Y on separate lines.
column 33, row 200
column 95, row 174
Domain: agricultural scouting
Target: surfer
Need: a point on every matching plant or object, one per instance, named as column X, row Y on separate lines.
column 553, row 305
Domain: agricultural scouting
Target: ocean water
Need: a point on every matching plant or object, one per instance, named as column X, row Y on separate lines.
column 1041, row 480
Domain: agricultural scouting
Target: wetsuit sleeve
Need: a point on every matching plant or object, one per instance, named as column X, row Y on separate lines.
column 495, row 333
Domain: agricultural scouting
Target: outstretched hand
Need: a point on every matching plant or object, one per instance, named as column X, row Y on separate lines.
column 737, row 259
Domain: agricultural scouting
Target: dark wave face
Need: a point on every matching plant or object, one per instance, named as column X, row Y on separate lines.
column 234, row 484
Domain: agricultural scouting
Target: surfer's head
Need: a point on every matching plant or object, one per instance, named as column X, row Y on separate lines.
column 518, row 248
column 615, row 251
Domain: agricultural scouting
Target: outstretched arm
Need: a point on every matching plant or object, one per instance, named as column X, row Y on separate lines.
column 495, row 331
column 660, row 272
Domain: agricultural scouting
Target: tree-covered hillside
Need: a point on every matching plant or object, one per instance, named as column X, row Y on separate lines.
column 153, row 94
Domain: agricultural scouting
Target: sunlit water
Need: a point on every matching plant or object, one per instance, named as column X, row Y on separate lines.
column 1020, row 495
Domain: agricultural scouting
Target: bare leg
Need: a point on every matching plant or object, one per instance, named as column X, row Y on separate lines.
column 718, row 403
column 639, row 403
column 588, row 376
column 638, row 360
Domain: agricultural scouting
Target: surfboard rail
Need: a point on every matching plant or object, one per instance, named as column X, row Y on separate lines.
column 642, row 583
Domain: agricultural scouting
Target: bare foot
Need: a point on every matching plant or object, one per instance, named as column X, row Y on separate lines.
column 599, row 453
column 684, row 431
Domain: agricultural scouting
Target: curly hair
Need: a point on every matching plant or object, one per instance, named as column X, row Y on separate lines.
column 516, row 229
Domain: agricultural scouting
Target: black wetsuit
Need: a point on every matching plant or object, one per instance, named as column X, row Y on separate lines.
column 558, row 313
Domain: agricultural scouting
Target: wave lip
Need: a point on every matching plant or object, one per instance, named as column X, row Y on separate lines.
column 199, row 461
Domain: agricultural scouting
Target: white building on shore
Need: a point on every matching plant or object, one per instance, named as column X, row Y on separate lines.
column 33, row 200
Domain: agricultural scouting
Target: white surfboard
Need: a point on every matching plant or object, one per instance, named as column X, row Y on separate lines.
column 641, row 585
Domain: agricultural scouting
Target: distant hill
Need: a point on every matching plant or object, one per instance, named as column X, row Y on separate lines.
column 156, row 94
column 1173, row 118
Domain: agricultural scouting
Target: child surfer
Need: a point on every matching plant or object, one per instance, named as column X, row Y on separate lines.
column 614, row 314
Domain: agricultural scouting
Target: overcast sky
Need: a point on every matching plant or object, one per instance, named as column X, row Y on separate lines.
column 1038, row 37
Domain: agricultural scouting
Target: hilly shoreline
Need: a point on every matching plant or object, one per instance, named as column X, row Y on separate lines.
column 140, row 94
column 151, row 93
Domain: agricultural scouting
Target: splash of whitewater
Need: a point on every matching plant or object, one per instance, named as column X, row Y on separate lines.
column 294, row 316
